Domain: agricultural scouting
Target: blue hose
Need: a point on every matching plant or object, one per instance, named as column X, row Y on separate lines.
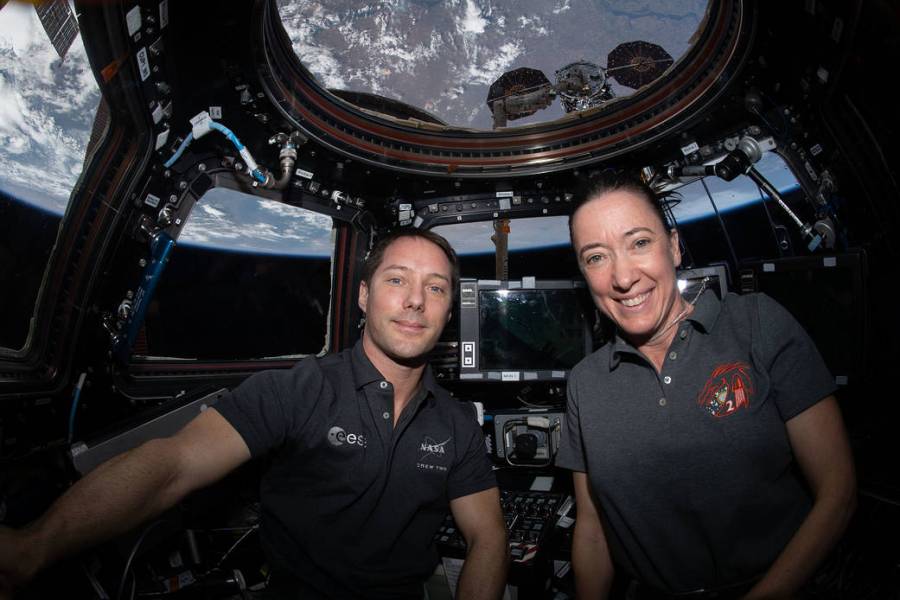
column 187, row 142
column 228, row 133
column 256, row 173
column 161, row 246
column 74, row 410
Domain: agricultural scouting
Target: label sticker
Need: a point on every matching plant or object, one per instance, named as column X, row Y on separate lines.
column 133, row 20
column 812, row 172
column 200, row 125
column 161, row 139
column 690, row 148
column 143, row 64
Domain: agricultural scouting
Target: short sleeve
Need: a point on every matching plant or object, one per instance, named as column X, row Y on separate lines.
column 472, row 472
column 571, row 450
column 797, row 372
column 266, row 408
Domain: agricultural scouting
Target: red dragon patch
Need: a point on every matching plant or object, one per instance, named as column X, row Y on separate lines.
column 728, row 389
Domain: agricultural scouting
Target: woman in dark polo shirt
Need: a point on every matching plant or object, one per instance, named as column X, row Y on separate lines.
column 709, row 454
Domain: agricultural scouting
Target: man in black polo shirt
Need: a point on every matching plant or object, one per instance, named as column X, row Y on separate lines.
column 365, row 451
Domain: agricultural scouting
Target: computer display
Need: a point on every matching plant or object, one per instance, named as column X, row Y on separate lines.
column 691, row 282
column 827, row 295
column 522, row 330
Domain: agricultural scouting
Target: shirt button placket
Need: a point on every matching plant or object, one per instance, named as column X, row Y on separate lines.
column 385, row 386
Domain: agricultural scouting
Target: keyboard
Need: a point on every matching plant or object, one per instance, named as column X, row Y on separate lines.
column 529, row 516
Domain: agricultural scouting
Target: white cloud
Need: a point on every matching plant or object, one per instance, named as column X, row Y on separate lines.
column 231, row 220
column 20, row 26
column 280, row 208
column 496, row 64
column 561, row 7
column 211, row 211
column 473, row 22
column 15, row 144
column 534, row 25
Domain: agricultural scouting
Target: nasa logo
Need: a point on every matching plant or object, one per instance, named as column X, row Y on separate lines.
column 432, row 449
column 429, row 446
column 338, row 437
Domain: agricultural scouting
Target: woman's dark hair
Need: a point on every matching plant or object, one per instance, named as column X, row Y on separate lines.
column 376, row 254
column 608, row 181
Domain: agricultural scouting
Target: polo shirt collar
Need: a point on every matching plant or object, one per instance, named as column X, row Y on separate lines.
column 364, row 372
column 429, row 383
column 703, row 317
column 617, row 346
column 706, row 311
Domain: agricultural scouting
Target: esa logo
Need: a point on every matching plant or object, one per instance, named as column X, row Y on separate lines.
column 338, row 437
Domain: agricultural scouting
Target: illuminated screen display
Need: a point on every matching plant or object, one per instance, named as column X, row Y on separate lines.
column 541, row 329
column 692, row 282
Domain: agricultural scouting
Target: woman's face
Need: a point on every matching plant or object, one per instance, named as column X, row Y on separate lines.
column 628, row 259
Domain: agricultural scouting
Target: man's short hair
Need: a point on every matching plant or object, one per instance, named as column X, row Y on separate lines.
column 376, row 254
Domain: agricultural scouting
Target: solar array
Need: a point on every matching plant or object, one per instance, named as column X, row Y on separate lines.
column 579, row 85
column 59, row 23
column 635, row 64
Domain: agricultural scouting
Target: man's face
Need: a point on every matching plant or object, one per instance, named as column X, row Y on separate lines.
column 407, row 302
column 628, row 261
